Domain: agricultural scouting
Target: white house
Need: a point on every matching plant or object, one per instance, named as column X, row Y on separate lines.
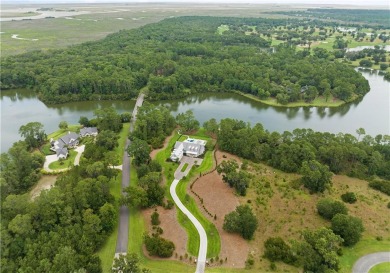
column 190, row 147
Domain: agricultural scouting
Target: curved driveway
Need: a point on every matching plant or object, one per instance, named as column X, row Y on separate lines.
column 365, row 263
column 201, row 263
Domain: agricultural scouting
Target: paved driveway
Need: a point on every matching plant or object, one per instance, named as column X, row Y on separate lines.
column 365, row 263
column 201, row 261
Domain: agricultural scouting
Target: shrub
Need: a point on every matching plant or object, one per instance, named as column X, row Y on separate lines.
column 157, row 246
column 349, row 197
column 276, row 249
column 380, row 185
column 242, row 221
column 155, row 218
column 328, row 208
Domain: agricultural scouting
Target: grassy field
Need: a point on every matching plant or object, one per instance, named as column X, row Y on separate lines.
column 68, row 162
column 318, row 102
column 61, row 132
column 381, row 268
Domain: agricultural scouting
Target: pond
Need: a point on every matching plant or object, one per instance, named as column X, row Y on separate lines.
column 372, row 113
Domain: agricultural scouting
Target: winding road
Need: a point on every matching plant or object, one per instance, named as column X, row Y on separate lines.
column 365, row 263
column 123, row 231
column 201, row 261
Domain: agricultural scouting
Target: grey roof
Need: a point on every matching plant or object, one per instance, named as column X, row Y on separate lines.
column 69, row 139
column 88, row 130
column 62, row 151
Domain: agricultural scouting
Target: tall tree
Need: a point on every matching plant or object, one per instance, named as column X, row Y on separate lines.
column 33, row 134
column 128, row 263
column 316, row 177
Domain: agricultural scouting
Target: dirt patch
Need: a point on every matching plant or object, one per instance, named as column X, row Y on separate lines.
column 45, row 183
column 172, row 230
column 166, row 141
column 220, row 201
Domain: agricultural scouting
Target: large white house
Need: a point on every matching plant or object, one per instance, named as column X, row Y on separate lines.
column 190, row 147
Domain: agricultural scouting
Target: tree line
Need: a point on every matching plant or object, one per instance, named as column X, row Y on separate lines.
column 303, row 150
column 191, row 57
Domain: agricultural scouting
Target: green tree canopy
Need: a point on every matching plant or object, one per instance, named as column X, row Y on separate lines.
column 241, row 221
column 348, row 227
column 316, row 176
column 33, row 134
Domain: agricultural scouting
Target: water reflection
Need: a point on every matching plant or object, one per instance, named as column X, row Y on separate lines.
column 19, row 107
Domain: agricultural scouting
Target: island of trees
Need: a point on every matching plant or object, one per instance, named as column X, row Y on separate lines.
column 193, row 56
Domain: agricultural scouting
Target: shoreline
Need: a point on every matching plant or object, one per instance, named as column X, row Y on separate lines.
column 318, row 102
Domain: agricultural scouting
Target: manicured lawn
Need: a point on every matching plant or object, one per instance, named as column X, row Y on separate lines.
column 318, row 102
column 364, row 247
column 184, row 167
column 61, row 132
column 57, row 165
column 123, row 135
column 381, row 268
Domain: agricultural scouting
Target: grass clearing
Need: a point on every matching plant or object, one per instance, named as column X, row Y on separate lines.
column 381, row 268
column 61, row 132
column 68, row 162
column 317, row 102
column 222, row 28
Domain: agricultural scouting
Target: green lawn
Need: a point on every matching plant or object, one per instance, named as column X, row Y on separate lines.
column 363, row 247
column 381, row 268
column 318, row 102
column 222, row 28
column 183, row 169
column 58, row 165
column 61, row 132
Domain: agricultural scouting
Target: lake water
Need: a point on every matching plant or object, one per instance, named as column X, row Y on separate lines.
column 19, row 107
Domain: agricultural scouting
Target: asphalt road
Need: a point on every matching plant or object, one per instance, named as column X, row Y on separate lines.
column 201, row 261
column 365, row 263
column 123, row 229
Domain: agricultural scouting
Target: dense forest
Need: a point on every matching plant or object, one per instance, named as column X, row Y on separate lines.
column 180, row 56
column 364, row 157
column 369, row 17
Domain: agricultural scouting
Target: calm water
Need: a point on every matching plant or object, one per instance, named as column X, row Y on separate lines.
column 371, row 113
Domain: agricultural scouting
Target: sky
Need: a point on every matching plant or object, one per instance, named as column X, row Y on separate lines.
column 332, row 2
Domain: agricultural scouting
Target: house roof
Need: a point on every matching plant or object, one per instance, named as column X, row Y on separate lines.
column 62, row 151
column 69, row 138
column 88, row 130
